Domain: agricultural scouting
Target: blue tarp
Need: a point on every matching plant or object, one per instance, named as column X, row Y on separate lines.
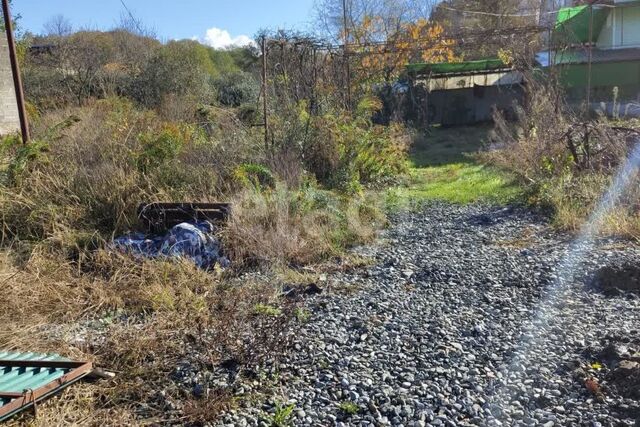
column 193, row 241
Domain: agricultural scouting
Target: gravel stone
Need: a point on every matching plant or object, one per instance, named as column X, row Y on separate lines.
column 460, row 321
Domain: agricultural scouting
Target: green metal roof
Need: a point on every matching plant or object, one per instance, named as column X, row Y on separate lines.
column 457, row 67
column 25, row 374
column 579, row 56
column 572, row 23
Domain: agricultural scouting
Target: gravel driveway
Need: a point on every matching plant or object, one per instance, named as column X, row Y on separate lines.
column 427, row 335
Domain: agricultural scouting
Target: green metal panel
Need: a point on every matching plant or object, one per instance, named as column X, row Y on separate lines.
column 19, row 379
column 602, row 74
column 572, row 24
column 456, row 67
column 604, row 77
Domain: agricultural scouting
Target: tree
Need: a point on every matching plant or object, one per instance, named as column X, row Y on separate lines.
column 15, row 17
column 85, row 64
column 84, row 57
column 58, row 26
column 330, row 14
column 134, row 25
column 246, row 58
column 414, row 41
column 385, row 35
column 179, row 67
column 485, row 27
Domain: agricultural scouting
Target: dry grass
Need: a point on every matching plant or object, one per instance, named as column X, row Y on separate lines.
column 64, row 197
column 90, row 176
column 139, row 320
column 281, row 227
column 573, row 199
column 86, row 181
column 565, row 168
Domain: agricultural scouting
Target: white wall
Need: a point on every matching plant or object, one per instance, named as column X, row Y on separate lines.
column 622, row 28
column 606, row 38
column 630, row 23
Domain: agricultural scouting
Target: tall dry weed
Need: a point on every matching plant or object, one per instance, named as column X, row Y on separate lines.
column 297, row 227
column 564, row 163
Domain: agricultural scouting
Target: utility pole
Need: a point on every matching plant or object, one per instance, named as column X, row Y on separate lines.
column 265, row 103
column 346, row 52
column 15, row 70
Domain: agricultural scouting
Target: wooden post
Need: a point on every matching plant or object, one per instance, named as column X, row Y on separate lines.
column 427, row 86
column 346, row 53
column 15, row 70
column 590, row 60
column 265, row 103
column 549, row 36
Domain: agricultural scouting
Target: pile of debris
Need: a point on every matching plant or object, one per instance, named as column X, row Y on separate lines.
column 193, row 241
column 191, row 233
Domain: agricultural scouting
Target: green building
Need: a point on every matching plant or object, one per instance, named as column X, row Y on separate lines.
column 596, row 46
column 600, row 43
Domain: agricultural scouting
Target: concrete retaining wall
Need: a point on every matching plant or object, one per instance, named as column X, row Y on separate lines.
column 9, row 119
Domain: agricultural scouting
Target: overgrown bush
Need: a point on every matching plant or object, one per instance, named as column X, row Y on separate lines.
column 96, row 172
column 254, row 175
column 89, row 173
column 177, row 68
column 343, row 151
column 565, row 164
column 347, row 153
column 236, row 89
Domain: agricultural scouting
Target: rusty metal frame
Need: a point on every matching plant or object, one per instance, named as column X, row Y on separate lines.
column 29, row 398
column 159, row 217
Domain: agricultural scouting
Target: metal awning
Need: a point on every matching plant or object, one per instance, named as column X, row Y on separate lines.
column 27, row 378
column 581, row 56
column 483, row 66
column 573, row 23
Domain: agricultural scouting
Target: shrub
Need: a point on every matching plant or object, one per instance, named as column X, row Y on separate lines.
column 345, row 153
column 236, row 89
column 258, row 176
column 565, row 167
column 161, row 147
column 179, row 67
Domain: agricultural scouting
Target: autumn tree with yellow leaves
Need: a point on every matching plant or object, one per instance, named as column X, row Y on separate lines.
column 383, row 36
column 382, row 56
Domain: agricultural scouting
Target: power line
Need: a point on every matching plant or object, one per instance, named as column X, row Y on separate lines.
column 133, row 18
column 517, row 15
column 468, row 34
column 498, row 15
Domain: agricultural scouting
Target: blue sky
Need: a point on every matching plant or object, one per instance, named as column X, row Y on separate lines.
column 217, row 21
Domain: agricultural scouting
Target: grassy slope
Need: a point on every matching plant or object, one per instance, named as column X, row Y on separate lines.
column 443, row 168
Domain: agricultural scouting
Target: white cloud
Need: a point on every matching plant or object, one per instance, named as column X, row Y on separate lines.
column 220, row 39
